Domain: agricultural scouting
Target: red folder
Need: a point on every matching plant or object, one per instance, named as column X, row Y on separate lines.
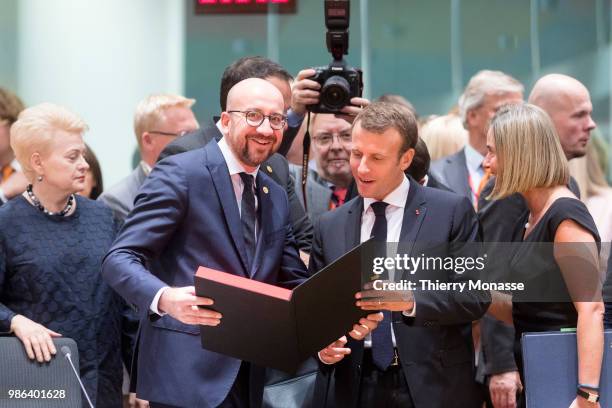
column 279, row 328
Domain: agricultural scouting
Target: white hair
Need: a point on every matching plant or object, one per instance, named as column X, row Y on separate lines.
column 484, row 83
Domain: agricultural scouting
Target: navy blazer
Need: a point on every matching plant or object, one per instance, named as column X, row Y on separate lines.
column 276, row 167
column 186, row 215
column 435, row 346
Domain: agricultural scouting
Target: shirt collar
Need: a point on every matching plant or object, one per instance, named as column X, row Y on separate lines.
column 15, row 165
column 145, row 167
column 233, row 164
column 473, row 158
column 396, row 198
column 220, row 127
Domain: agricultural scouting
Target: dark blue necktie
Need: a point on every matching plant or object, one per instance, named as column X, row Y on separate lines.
column 248, row 215
column 382, row 342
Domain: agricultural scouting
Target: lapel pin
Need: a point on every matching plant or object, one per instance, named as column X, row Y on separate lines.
column 417, row 212
column 269, row 168
column 265, row 189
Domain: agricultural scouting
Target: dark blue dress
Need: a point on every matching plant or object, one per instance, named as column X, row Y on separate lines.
column 50, row 273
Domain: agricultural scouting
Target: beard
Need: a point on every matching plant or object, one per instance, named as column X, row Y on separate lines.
column 255, row 158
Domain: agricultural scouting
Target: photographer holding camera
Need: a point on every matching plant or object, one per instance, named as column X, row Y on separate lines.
column 307, row 91
column 334, row 89
column 337, row 87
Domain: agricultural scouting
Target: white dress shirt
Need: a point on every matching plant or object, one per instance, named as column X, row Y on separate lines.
column 474, row 160
column 145, row 167
column 395, row 217
column 235, row 168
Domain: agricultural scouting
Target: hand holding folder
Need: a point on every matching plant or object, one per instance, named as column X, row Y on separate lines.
column 183, row 305
column 336, row 351
column 280, row 328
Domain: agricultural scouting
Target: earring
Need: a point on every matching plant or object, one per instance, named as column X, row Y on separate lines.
column 39, row 178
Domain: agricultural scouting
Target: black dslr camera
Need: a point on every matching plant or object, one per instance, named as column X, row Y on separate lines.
column 339, row 82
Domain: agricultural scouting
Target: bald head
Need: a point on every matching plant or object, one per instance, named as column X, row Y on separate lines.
column 253, row 141
column 551, row 91
column 244, row 91
column 568, row 103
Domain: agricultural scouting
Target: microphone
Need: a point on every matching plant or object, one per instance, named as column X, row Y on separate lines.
column 66, row 352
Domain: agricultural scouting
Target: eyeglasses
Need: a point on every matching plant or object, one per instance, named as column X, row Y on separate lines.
column 255, row 119
column 326, row 139
column 179, row 134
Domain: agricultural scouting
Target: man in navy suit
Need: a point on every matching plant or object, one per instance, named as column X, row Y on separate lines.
column 210, row 207
column 422, row 354
column 276, row 166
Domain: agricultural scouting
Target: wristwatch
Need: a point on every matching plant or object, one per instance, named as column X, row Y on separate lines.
column 590, row 397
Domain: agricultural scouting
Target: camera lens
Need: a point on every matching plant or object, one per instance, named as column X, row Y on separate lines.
column 335, row 93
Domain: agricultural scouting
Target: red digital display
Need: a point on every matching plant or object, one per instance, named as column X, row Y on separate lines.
column 337, row 13
column 243, row 6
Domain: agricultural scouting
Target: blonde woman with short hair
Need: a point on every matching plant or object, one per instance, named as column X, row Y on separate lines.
column 525, row 154
column 52, row 242
column 444, row 135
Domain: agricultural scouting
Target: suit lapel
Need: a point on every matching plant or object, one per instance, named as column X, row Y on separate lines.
column 140, row 175
column 414, row 214
column 457, row 174
column 266, row 220
column 266, row 168
column 353, row 223
column 227, row 199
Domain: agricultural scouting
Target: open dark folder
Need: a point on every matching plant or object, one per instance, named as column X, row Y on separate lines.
column 280, row 328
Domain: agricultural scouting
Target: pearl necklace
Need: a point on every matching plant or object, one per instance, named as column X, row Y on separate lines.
column 38, row 205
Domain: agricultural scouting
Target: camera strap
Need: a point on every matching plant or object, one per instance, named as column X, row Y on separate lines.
column 305, row 159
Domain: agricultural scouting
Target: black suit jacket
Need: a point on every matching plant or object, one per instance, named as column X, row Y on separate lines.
column 435, row 346
column 276, row 167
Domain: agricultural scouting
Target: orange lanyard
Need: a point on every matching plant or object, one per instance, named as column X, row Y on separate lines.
column 6, row 172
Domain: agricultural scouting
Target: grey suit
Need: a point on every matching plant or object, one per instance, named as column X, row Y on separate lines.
column 120, row 197
column 452, row 171
column 318, row 194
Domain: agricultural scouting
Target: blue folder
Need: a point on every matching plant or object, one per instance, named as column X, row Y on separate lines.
column 551, row 369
